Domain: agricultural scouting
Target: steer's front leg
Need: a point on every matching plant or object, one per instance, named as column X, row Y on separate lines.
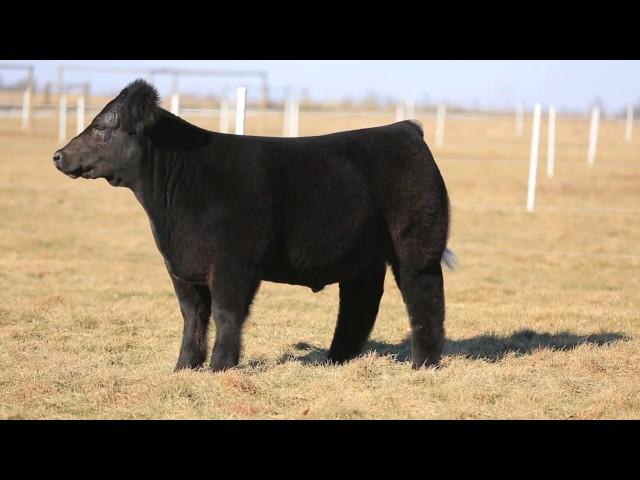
column 195, row 305
column 233, row 287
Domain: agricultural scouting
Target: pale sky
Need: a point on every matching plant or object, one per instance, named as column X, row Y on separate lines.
column 570, row 85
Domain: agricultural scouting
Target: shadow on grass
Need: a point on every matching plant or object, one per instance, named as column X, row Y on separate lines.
column 484, row 347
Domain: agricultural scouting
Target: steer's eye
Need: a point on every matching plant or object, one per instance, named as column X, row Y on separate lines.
column 100, row 133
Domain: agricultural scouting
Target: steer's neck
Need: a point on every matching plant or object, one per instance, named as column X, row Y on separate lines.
column 164, row 175
column 174, row 153
column 162, row 190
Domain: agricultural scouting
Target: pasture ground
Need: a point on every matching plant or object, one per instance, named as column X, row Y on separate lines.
column 543, row 312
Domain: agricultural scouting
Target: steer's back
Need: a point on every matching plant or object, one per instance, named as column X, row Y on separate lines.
column 339, row 198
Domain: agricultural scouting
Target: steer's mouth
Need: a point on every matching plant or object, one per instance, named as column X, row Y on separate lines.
column 90, row 173
column 84, row 172
column 72, row 173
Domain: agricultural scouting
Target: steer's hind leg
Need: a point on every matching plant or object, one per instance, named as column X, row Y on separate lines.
column 195, row 305
column 359, row 302
column 423, row 294
column 232, row 290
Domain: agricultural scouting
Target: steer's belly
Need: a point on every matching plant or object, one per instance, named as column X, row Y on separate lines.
column 316, row 278
column 320, row 267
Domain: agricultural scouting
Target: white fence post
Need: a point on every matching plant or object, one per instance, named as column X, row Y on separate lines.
column 175, row 104
column 224, row 116
column 286, row 115
column 294, row 113
column 291, row 118
column 291, row 123
column 241, row 97
column 400, row 112
column 533, row 161
column 26, row 108
column 519, row 119
column 629, row 124
column 410, row 109
column 62, row 119
column 80, row 115
column 593, row 135
column 551, row 142
column 440, row 119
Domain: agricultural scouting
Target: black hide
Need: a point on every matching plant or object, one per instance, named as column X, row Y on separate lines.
column 228, row 211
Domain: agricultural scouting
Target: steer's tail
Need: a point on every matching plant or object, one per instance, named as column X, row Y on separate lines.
column 449, row 259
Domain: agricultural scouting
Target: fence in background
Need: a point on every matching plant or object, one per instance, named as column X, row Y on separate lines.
column 291, row 112
column 27, row 105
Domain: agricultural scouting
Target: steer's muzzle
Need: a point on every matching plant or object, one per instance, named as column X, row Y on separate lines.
column 57, row 159
column 62, row 163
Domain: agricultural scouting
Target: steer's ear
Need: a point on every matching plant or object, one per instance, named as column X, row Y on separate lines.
column 139, row 107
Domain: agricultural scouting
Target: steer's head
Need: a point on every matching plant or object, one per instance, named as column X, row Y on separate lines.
column 112, row 146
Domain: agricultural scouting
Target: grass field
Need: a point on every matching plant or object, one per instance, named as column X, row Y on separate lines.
column 543, row 313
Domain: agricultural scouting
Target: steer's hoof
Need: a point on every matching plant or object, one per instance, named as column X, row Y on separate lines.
column 179, row 368
column 221, row 366
column 428, row 363
column 188, row 365
column 337, row 359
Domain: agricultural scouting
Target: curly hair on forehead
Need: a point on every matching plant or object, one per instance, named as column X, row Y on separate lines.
column 140, row 102
column 141, row 90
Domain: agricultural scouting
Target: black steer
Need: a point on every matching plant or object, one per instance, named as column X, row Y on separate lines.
column 228, row 211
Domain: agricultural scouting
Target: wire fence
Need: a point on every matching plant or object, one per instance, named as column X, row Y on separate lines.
column 59, row 109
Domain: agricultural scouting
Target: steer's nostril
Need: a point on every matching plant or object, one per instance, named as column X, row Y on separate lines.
column 57, row 157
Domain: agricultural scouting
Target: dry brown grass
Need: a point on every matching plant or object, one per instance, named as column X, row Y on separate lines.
column 543, row 315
